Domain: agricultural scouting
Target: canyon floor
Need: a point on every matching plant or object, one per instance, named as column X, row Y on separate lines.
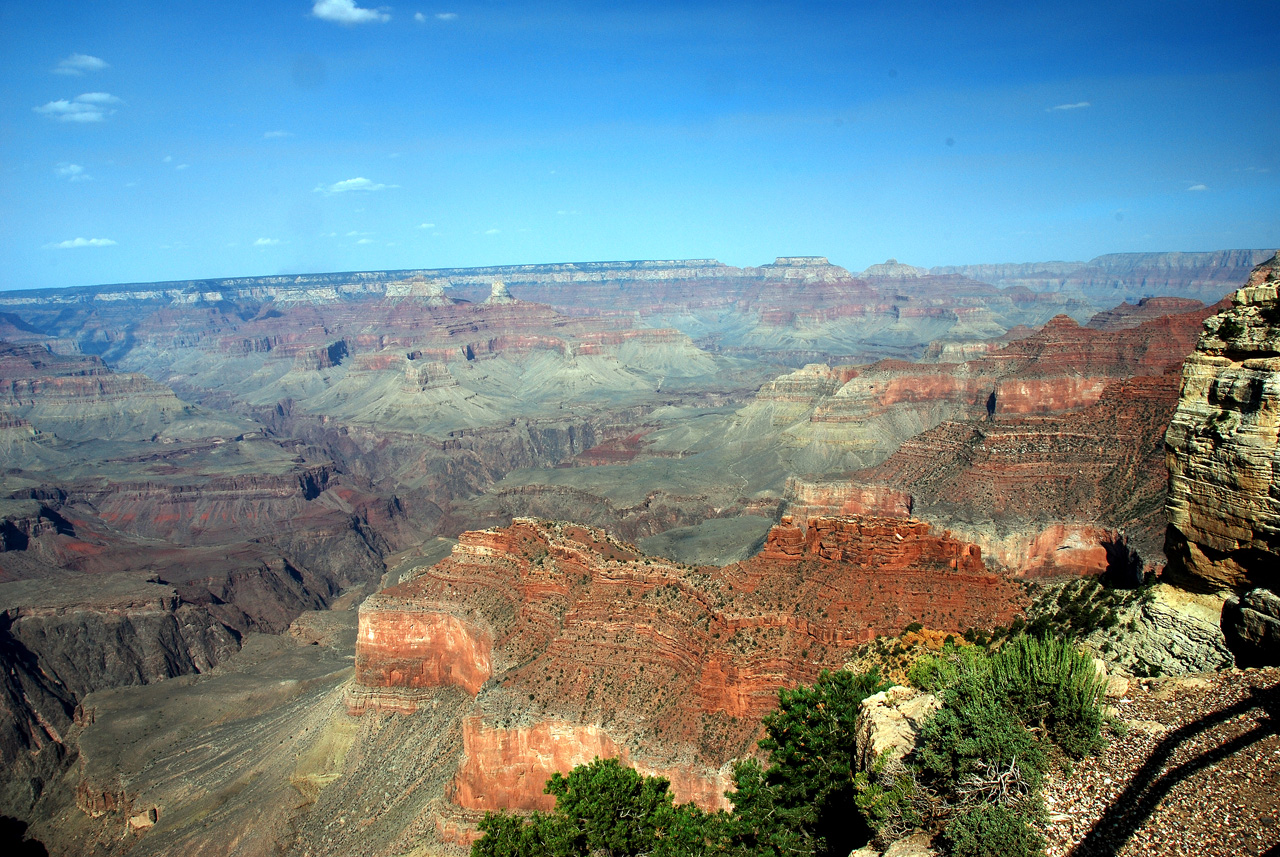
column 233, row 761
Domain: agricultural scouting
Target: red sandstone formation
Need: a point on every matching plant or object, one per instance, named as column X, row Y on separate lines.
column 410, row 645
column 598, row 649
column 1050, row 455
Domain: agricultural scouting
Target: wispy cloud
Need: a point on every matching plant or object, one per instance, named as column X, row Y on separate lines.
column 275, row 135
column 446, row 16
column 266, row 242
column 78, row 64
column 365, row 241
column 1198, row 187
column 346, row 12
column 87, row 107
column 426, row 226
column 1077, row 106
column 72, row 172
column 352, row 185
column 492, row 231
column 419, row 17
column 80, row 242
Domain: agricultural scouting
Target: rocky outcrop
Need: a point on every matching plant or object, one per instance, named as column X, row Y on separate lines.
column 1168, row 632
column 505, row 767
column 888, row 722
column 498, row 294
column 420, row 290
column 403, row 644
column 1222, row 446
column 79, row 397
column 63, row 639
column 1056, row 470
column 892, row 268
column 598, row 649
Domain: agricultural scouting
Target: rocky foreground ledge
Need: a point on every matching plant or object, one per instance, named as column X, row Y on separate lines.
column 1197, row 773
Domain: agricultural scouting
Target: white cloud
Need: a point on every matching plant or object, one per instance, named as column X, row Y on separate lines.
column 346, row 12
column 1076, row 106
column 492, row 231
column 275, row 135
column 426, row 226
column 78, row 64
column 447, row 16
column 168, row 159
column 1198, row 187
column 266, row 242
column 72, row 172
column 350, row 185
column 365, row 241
column 87, row 107
column 181, row 166
column 80, row 242
column 419, row 17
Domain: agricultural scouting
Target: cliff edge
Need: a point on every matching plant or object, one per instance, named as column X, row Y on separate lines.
column 1222, row 448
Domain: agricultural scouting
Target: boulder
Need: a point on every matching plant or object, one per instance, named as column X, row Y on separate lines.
column 1251, row 625
column 889, row 721
column 915, row 845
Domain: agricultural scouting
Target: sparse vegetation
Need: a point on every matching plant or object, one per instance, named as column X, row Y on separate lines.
column 1009, row 714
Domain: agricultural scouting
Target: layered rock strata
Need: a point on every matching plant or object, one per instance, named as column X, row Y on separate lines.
column 63, row 639
column 1046, row 451
column 1222, row 448
column 575, row 644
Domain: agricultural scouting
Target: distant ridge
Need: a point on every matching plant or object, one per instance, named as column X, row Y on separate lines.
column 1115, row 277
column 1108, row 279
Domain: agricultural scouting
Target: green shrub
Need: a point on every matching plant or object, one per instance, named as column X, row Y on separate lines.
column 604, row 808
column 1230, row 329
column 883, row 795
column 1052, row 685
column 962, row 738
column 936, row 673
column 992, row 830
column 809, row 786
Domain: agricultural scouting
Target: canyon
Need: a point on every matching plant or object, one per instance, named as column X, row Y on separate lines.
column 331, row 511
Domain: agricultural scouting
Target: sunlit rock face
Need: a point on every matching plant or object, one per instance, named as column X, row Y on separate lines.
column 574, row 644
column 1046, row 452
column 412, row 646
column 1224, row 500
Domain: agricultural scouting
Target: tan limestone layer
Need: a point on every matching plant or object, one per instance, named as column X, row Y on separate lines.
column 1222, row 446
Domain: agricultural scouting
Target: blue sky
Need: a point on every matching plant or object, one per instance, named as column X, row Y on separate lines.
column 148, row 141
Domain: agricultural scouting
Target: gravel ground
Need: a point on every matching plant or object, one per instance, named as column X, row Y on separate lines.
column 1196, row 773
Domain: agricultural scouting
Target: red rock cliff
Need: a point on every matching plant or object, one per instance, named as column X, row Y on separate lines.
column 598, row 649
